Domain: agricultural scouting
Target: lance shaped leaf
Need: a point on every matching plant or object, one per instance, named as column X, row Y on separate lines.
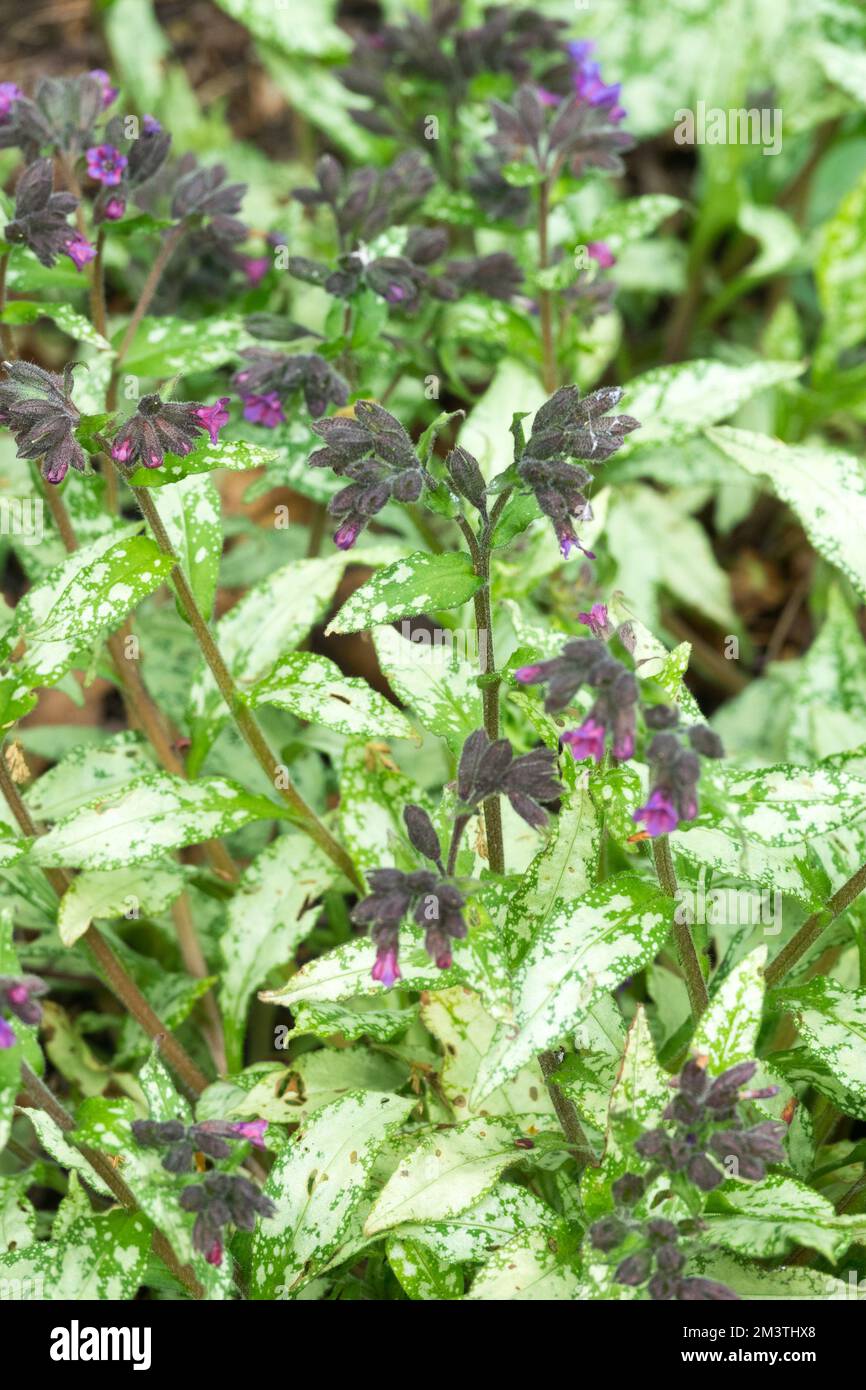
column 584, row 949
column 470, row 1235
column 97, row 1256
column 728, row 1032
column 436, row 676
column 114, row 893
column 318, row 1182
column 527, row 1269
column 421, row 583
column 235, row 455
column 87, row 772
column 314, row 688
column 831, row 1049
column 422, row 1275
column 458, row 1020
column 770, row 1218
column 190, row 513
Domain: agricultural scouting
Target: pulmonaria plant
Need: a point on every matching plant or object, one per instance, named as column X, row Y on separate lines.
column 268, row 380
column 41, row 219
column 19, row 995
column 37, row 407
column 704, row 1139
column 376, row 453
column 161, row 427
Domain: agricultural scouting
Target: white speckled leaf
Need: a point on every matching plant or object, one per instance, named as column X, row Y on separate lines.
column 674, row 401
column 17, row 1215
column 458, row 1020
column 98, row 1257
column 313, row 688
column 152, row 815
column 527, row 1269
column 632, row 219
column 437, row 680
column 826, row 488
column 790, row 805
column 770, row 1218
column 165, row 346
column 87, row 772
column 470, row 1235
column 421, row 1274
column 589, row 1072
column 750, row 1281
column 584, row 949
column 421, row 583
column 270, row 913
column 190, row 513
column 235, row 455
column 115, row 893
column 840, row 264
column 76, row 325
column 448, row 1170
column 728, row 1031
column 373, row 793
column 561, row 872
column 832, row 1038
column 54, row 1141
column 317, row 1183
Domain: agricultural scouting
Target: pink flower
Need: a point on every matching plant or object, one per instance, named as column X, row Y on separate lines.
column 659, row 814
column 587, row 741
column 121, row 450
column 213, row 417
column 255, row 268
column 568, row 541
column 623, row 746
column 601, row 252
column 114, row 209
column 10, row 92
column 596, row 620
column 547, row 98
column 527, row 674
column 386, row 970
column 7, row 1037
column 79, row 250
column 254, row 1130
column 109, row 93
column 348, row 533
column 264, row 410
column 106, row 164
column 214, row 1255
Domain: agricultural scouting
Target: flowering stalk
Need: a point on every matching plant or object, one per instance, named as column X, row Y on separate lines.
column 245, row 720
column 545, row 298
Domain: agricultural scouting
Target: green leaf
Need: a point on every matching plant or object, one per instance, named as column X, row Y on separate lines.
column 310, row 32
column 270, row 914
column 76, row 325
column 464, row 1029
column 190, row 513
column 85, row 773
column 318, row 1183
column 435, row 677
column 527, row 1269
column 750, row 1281
column 373, row 793
column 54, row 1142
column 447, row 1171
column 324, row 1020
column 168, row 346
column 97, row 1257
column 789, row 805
column 840, row 274
column 832, row 1039
column 152, row 815
column 421, row 583
column 562, row 871
column 728, row 1031
column 675, row 401
column 114, row 893
column 314, row 688
column 470, row 1235
column 583, row 949
column 768, row 1219
column 632, row 219
column 825, row 488
column 235, row 455
column 420, row 1272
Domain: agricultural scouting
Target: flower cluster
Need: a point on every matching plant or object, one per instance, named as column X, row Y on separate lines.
column 182, row 1142
column 40, row 220
column 376, row 453
column 675, row 771
column 159, row 427
column 37, row 407
column 18, row 994
column 577, row 133
column 366, row 201
column 220, row 1200
column 61, row 116
column 567, row 427
column 703, row 1128
column 583, row 80
column 124, row 166
column 587, row 661
column 435, row 903
column 268, row 378
column 489, row 768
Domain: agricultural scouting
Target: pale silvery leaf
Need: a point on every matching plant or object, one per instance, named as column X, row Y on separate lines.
column 632, row 219
column 270, row 914
column 463, row 1027
column 314, row 689
column 153, row 815
column 328, row 1020
column 329, row 1073
column 420, row 1272
column 770, row 1218
column 98, row 1257
column 584, row 949
column 435, row 675
column 681, row 399
column 841, row 258
column 790, row 805
column 527, row 1269
column 235, row 455
column 728, row 1032
column 561, row 871
column 165, row 346
column 317, row 1183
column 832, row 1039
column 470, row 1235
column 87, row 772
column 825, row 488
column 589, row 1072
column 448, row 1170
column 421, row 583
column 652, row 660
column 115, row 893
column 54, row 1141
column 373, row 793
column 190, row 512
column 750, row 1281
column 17, row 1216
column 486, row 432
column 828, row 714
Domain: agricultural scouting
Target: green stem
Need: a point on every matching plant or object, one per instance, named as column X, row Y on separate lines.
column 41, row 1098
column 691, row 965
column 6, row 336
column 148, row 290
column 816, row 925
column 97, row 286
column 245, row 720
column 545, row 298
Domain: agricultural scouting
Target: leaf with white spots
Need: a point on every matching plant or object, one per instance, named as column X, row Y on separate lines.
column 373, row 793
column 116, row 893
column 561, row 872
column 751, row 1282
column 767, row 1219
column 190, row 513
column 588, row 1073
column 825, row 488
column 436, row 676
column 20, row 311
column 313, row 688
column 679, row 400
column 235, row 455
column 87, row 772
column 272, row 910
column 584, row 949
column 528, row 1269
column 632, row 219
column 831, row 1049
column 791, row 805
column 99, row 1256
column 317, row 1183
column 458, row 1020
column 470, row 1235
column 421, row 583
column 149, row 817
column 329, row 1020
column 448, row 1170
column 166, row 346
column 728, row 1032
column 420, row 1272
column 54, row 1142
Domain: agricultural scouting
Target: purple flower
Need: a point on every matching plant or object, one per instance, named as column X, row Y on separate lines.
column 114, row 208
column 38, row 408
column 254, row 1130
column 150, row 125
column 79, row 250
column 527, row 674
column 386, row 970
column 395, row 293
column 109, row 93
column 264, row 410
column 7, row 1036
column 596, row 620
column 19, row 995
column 346, row 535
column 587, row 81
column 546, row 97
column 9, row 92
column 106, row 164
column 587, row 741
column 659, row 813
column 600, row 251
column 213, row 417
column 255, row 268
column 214, row 1255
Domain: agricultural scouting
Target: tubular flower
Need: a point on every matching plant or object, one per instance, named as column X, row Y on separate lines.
column 223, row 1199
column 37, row 407
column 19, row 995
column 676, row 770
column 586, row 661
column 165, row 427
column 436, row 904
column 40, row 220
column 268, row 378
column 374, row 451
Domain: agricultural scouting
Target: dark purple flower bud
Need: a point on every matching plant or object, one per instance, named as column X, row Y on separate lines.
column 634, row 1269
column 37, row 407
column 663, row 1286
column 669, row 1259
column 467, row 477
column 179, row 1158
column 425, row 244
column 694, row 1290
column 705, row 741
column 661, row 716
column 661, row 1232
column 653, row 1144
column 158, row 427
column 422, row 833
column 41, row 215
column 497, row 275
column 607, row 1233
column 703, row 1173
column 725, row 1090
column 693, row 1080
column 628, row 1189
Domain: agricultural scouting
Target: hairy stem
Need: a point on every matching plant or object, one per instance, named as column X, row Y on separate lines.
column 148, row 290
column 41, row 1098
column 691, row 965
column 545, row 298
column 97, row 286
column 120, row 983
column 246, row 723
column 811, row 929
